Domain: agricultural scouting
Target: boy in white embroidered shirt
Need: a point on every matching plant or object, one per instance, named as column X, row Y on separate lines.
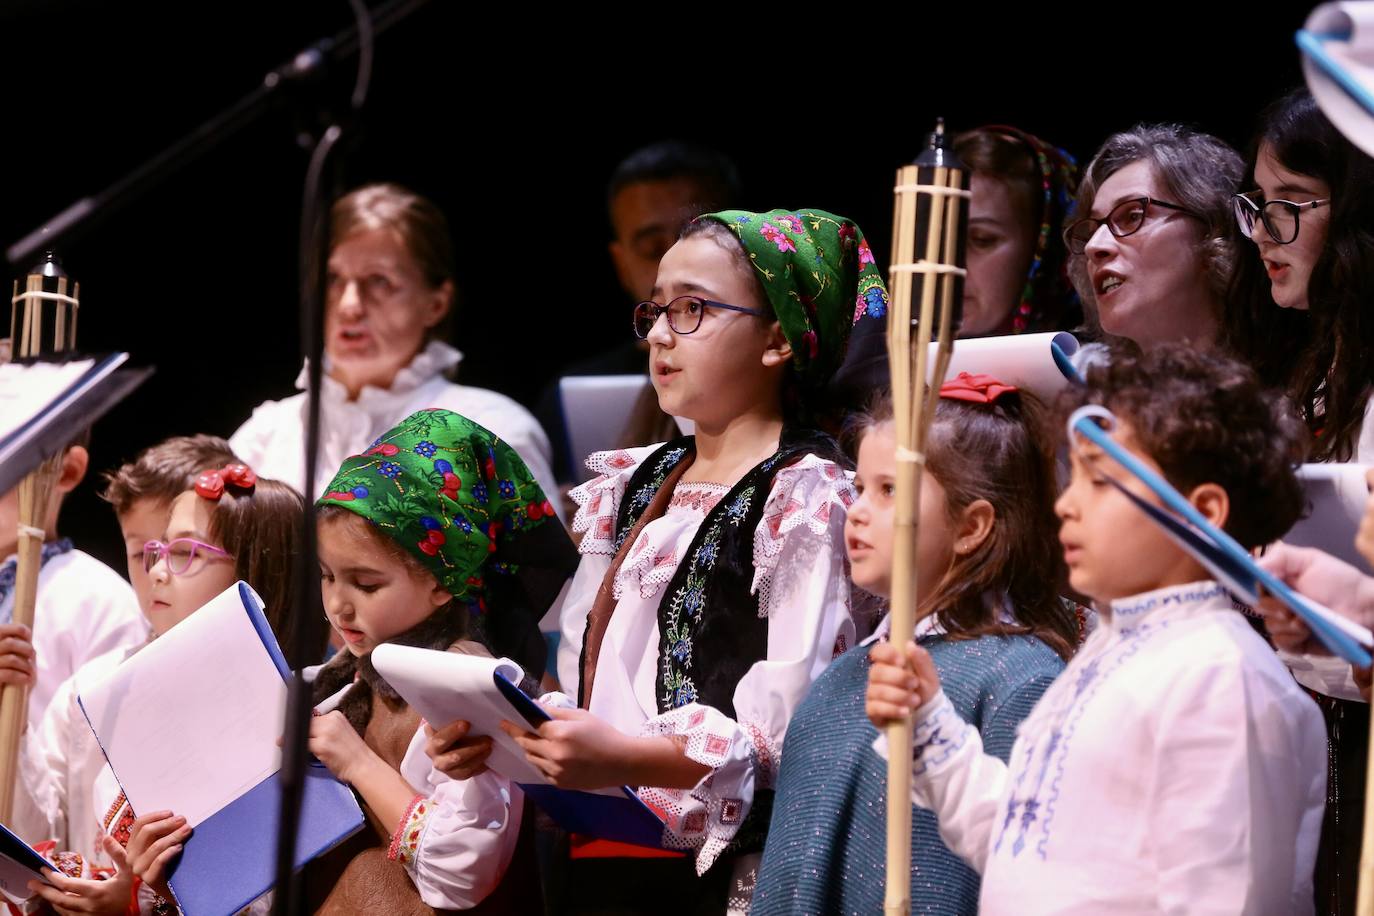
column 84, row 608
column 1174, row 766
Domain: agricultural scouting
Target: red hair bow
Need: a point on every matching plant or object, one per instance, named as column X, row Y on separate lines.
column 210, row 484
column 976, row 389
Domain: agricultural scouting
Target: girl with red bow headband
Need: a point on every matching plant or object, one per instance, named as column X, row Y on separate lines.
column 228, row 526
column 989, row 614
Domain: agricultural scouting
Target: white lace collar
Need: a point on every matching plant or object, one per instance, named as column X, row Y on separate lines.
column 436, row 359
column 1127, row 613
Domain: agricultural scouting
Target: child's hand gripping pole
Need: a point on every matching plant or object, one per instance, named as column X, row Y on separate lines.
column 930, row 218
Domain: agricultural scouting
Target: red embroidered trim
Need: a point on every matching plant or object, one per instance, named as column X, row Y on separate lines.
column 68, row 863
column 699, row 496
column 114, row 809
column 763, row 750
column 406, row 840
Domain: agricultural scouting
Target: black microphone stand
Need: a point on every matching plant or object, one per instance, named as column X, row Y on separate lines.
column 306, row 69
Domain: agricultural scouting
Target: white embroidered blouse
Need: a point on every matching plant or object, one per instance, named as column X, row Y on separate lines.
column 272, row 440
column 802, row 583
column 1173, row 767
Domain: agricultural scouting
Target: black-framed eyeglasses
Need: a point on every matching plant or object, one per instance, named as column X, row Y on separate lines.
column 684, row 314
column 1280, row 217
column 1125, row 219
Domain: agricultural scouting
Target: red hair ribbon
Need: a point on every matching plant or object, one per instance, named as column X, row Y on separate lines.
column 976, row 389
column 210, row 484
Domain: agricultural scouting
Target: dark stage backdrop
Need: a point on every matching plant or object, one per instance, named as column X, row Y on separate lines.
column 512, row 120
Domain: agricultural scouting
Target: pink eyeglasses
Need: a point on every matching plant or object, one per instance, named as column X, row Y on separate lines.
column 181, row 554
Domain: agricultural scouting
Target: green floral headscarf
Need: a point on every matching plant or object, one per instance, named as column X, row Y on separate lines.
column 448, row 491
column 819, row 275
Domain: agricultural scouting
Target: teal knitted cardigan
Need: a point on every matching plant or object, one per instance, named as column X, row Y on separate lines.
column 825, row 851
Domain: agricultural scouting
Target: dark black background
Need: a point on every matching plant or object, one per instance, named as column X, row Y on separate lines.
column 512, row 117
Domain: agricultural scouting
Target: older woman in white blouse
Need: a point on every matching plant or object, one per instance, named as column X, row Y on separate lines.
column 390, row 295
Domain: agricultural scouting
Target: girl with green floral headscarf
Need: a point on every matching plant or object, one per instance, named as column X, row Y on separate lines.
column 437, row 536
column 712, row 588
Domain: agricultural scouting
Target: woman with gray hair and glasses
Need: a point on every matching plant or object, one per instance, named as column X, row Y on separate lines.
column 1154, row 243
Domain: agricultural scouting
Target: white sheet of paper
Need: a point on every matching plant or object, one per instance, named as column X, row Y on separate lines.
column 1336, row 497
column 28, row 388
column 1023, row 360
column 445, row 686
column 191, row 722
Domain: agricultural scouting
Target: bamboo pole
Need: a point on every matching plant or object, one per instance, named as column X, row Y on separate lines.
column 35, row 500
column 36, row 493
column 936, row 230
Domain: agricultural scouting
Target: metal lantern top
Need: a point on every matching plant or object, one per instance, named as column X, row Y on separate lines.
column 939, row 152
column 43, row 320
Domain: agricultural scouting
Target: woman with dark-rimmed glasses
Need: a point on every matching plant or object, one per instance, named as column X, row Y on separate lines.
column 1309, row 210
column 1153, row 244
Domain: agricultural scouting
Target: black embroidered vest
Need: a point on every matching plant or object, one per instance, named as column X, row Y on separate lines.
column 710, row 629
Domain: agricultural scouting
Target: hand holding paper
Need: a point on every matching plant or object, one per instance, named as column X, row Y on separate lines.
column 454, row 754
column 155, row 840
column 577, row 750
column 446, row 687
column 90, row 895
column 1321, row 577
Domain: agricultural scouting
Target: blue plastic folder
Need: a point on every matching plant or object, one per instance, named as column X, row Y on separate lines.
column 229, row 860
column 623, row 818
column 1215, row 549
column 20, row 863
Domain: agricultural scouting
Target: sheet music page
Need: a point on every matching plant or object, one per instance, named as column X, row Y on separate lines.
column 444, row 686
column 27, row 389
column 191, row 722
column 1336, row 496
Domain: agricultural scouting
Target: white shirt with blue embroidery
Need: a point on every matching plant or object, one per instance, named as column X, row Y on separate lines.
column 1173, row 767
column 84, row 610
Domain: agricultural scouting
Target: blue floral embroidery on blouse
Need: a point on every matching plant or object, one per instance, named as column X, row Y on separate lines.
column 1056, row 745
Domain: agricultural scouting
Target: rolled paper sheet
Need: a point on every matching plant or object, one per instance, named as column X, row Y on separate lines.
column 1337, row 47
column 1027, row 361
column 1336, row 498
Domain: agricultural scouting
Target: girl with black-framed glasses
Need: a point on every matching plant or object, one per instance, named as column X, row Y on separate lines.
column 1299, row 312
column 712, row 588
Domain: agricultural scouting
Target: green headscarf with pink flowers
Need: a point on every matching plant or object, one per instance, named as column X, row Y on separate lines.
column 445, row 489
column 820, row 277
column 463, row 503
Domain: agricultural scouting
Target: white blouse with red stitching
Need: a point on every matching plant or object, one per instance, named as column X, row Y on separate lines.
column 802, row 583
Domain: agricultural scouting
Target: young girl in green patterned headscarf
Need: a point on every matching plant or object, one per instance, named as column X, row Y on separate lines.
column 437, row 536
column 713, row 587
